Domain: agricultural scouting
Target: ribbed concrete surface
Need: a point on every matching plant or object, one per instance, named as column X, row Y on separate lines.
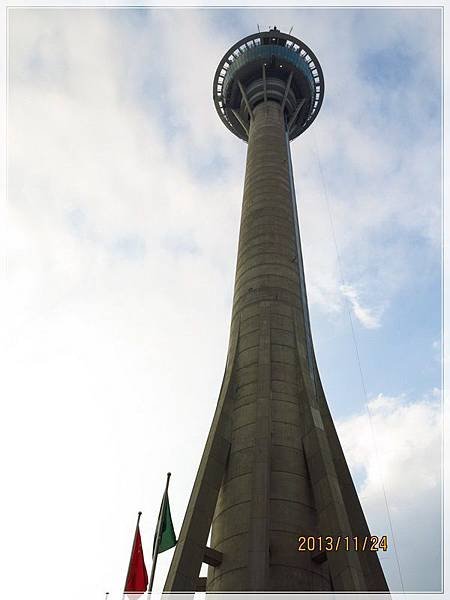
column 266, row 474
column 273, row 468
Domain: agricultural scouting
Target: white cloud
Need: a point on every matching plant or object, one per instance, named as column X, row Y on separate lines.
column 368, row 317
column 397, row 452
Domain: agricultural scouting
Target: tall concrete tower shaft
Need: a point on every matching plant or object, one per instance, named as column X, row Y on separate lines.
column 273, row 468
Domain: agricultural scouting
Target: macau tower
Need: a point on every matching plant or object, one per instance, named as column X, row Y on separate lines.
column 273, row 469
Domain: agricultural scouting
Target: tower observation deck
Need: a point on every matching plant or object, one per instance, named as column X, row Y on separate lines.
column 272, row 468
column 269, row 66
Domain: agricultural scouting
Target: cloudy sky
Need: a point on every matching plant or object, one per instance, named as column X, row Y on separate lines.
column 124, row 192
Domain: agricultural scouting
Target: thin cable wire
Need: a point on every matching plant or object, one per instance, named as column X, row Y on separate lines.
column 363, row 384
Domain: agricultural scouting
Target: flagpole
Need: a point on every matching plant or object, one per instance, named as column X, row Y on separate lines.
column 158, row 534
column 131, row 555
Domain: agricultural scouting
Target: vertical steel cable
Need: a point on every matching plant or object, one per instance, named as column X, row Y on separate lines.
column 363, row 384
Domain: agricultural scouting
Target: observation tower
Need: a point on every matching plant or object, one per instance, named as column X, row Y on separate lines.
column 272, row 469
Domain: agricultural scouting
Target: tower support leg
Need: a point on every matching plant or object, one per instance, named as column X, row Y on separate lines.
column 191, row 546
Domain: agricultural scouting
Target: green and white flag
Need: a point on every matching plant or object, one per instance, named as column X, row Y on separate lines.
column 164, row 535
column 167, row 538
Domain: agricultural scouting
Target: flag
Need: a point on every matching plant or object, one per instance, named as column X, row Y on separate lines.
column 137, row 578
column 164, row 534
column 167, row 538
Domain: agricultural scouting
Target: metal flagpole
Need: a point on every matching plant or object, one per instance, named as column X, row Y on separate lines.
column 131, row 556
column 158, row 534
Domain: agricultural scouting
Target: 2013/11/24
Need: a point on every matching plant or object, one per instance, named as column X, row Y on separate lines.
column 333, row 544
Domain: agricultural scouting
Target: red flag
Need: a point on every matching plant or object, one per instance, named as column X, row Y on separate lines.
column 137, row 578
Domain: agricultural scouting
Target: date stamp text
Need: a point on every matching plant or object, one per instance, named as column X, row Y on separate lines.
column 331, row 543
